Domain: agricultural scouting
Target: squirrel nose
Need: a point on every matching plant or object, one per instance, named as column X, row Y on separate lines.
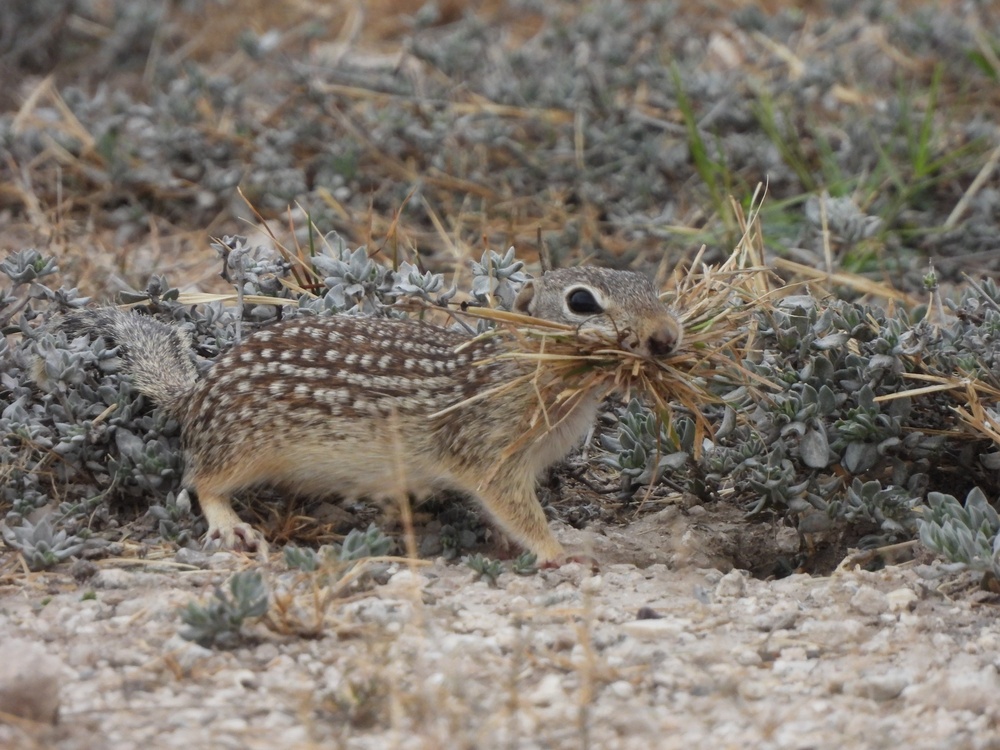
column 664, row 339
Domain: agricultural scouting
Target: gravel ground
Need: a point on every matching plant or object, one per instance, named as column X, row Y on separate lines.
column 428, row 656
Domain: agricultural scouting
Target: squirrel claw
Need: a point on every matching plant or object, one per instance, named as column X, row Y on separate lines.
column 239, row 537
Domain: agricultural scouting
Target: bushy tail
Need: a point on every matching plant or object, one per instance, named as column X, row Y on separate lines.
column 156, row 356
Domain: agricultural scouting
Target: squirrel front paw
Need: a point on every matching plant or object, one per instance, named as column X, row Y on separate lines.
column 239, row 537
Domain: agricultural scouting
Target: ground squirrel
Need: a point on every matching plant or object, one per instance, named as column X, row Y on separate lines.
column 349, row 405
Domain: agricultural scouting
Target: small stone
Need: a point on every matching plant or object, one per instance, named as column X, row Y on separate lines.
column 220, row 560
column 230, row 725
column 781, row 617
column 430, row 544
column 732, row 584
column 988, row 641
column 113, row 578
column 464, row 645
column 879, row 688
column 622, row 689
column 29, row 681
column 795, row 652
column 902, row 600
column 652, row 630
column 246, row 678
column 792, row 668
column 266, row 652
column 81, row 570
column 712, row 575
column 193, row 557
column 973, row 691
column 821, row 595
column 186, row 653
column 942, row 642
column 833, row 633
column 870, row 601
column 382, row 612
column 755, row 690
column 746, row 657
column 408, row 578
column 571, row 569
column 782, row 645
column 787, row 540
column 517, row 604
column 548, row 691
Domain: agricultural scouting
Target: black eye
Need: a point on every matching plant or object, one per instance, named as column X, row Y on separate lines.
column 582, row 302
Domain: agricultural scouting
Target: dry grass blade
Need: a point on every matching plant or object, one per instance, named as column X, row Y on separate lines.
column 940, row 383
column 230, row 298
column 981, row 420
column 850, row 280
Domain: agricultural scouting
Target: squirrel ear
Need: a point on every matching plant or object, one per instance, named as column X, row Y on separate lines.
column 522, row 304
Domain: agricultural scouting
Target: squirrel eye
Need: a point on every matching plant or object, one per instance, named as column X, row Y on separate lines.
column 582, row 302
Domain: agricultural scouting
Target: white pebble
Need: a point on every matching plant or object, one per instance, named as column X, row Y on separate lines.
column 112, row 578
column 29, row 681
column 621, row 689
column 869, row 601
column 732, row 584
column 548, row 691
column 879, row 688
column 655, row 629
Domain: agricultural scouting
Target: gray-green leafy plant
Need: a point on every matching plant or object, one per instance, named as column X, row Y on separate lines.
column 496, row 279
column 484, row 567
column 358, row 545
column 301, row 558
column 645, row 448
column 218, row 623
column 890, row 511
column 525, row 564
column 354, row 281
column 967, row 533
column 175, row 519
column 41, row 546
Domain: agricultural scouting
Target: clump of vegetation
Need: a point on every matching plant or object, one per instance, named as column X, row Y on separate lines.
column 525, row 564
column 41, row 546
column 219, row 622
column 485, row 567
column 967, row 533
column 357, row 545
column 175, row 518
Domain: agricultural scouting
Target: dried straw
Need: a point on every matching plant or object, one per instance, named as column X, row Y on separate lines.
column 715, row 306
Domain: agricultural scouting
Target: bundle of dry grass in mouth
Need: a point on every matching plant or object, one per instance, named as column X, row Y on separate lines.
column 714, row 305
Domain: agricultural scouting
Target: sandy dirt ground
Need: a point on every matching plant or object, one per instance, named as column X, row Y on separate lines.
column 425, row 655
